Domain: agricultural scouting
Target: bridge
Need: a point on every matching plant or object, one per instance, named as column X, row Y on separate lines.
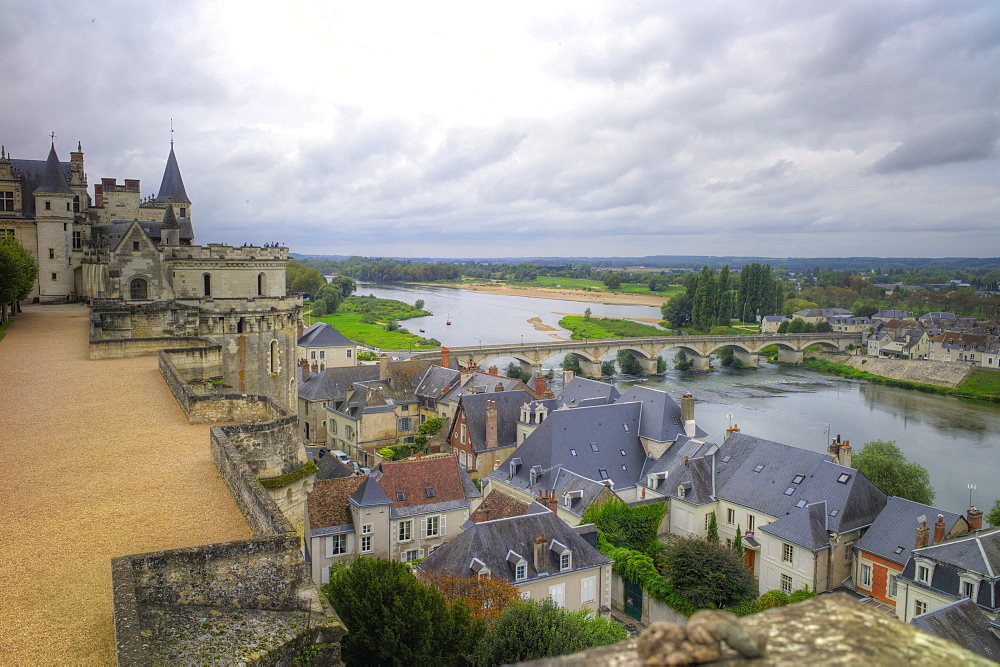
column 593, row 351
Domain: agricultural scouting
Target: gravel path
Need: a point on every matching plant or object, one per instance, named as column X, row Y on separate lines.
column 97, row 461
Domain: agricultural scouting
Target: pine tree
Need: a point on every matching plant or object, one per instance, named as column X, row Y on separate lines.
column 738, row 542
column 713, row 529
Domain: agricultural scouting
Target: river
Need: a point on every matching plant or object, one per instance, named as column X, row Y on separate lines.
column 957, row 441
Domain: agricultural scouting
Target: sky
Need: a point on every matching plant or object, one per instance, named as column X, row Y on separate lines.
column 558, row 128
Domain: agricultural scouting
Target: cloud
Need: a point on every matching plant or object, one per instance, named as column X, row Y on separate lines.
column 961, row 139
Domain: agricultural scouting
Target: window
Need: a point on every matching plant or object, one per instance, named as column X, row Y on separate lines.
column 893, row 586
column 729, row 543
column 790, row 490
column 405, row 528
column 55, row 276
column 558, row 594
column 786, row 584
column 76, row 204
column 461, row 435
column 603, row 473
column 207, row 279
column 367, row 529
column 433, row 526
column 400, row 496
column 405, row 424
column 138, row 289
column 521, row 571
column 843, row 478
column 750, row 522
column 787, row 553
column 6, row 201
column 802, row 503
column 429, row 491
column 410, row 556
column 866, row 575
column 183, row 212
column 52, row 253
column 588, row 589
column 406, row 408
column 758, row 468
column 312, row 354
column 366, row 544
column 336, row 545
column 273, row 359
column 6, row 232
column 322, row 354
column 798, row 479
column 566, row 561
column 730, row 516
column 348, row 354
column 349, row 432
column 333, row 427
column 48, row 206
column 727, row 458
column 968, row 589
column 77, row 240
column 135, row 246
column 923, row 574
column 919, row 607
column 593, row 447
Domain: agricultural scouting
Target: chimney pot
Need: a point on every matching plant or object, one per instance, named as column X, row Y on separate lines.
column 939, row 529
column 975, row 518
column 493, row 370
column 922, row 534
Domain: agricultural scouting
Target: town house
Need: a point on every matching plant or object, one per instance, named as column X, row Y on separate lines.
column 324, row 347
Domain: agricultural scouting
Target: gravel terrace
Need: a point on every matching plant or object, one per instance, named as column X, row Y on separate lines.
column 98, row 461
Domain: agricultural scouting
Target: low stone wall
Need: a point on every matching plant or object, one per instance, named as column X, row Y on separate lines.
column 940, row 373
column 270, row 448
column 181, row 365
column 122, row 348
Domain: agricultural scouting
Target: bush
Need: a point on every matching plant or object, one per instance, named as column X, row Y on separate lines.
column 707, row 574
column 607, row 368
column 681, row 361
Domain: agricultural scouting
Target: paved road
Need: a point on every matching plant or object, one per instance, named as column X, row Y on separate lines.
column 97, row 461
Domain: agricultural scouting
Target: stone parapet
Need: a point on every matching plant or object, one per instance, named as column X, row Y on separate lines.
column 221, row 252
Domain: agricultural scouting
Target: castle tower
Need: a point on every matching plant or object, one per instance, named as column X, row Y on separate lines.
column 172, row 191
column 170, row 232
column 53, row 222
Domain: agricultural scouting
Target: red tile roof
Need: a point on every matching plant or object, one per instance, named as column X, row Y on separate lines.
column 415, row 476
column 328, row 501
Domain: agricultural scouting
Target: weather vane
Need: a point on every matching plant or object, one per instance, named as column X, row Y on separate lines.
column 171, row 132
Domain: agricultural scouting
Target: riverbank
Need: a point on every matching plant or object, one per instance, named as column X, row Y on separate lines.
column 937, row 373
column 562, row 294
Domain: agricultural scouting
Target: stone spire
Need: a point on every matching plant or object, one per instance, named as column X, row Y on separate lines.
column 53, row 179
column 169, row 218
column 172, row 185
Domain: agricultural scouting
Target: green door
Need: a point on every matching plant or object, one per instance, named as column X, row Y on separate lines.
column 633, row 600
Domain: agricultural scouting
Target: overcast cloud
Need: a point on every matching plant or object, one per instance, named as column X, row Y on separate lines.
column 574, row 128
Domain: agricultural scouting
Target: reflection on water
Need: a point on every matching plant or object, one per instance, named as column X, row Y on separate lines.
column 957, row 441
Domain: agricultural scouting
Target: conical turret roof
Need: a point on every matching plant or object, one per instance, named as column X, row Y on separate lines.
column 53, row 179
column 169, row 219
column 172, row 185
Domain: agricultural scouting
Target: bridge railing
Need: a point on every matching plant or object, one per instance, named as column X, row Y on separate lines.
column 656, row 340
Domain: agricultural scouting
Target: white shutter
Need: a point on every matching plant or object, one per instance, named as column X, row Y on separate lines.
column 423, row 528
column 420, row 553
column 325, row 578
column 444, row 526
column 329, row 547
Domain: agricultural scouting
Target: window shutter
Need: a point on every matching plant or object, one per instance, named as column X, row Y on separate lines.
column 444, row 527
column 329, row 547
column 423, row 528
column 420, row 553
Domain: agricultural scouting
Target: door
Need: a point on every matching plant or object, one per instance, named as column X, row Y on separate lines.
column 750, row 558
column 633, row 600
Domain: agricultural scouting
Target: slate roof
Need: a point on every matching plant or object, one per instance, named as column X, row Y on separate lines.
column 327, row 502
column 436, row 382
column 581, row 389
column 400, row 385
column 508, row 405
column 116, row 231
column 53, row 179
column 568, row 439
column 331, row 384
column 481, row 383
column 30, row 172
column 660, row 418
column 757, row 473
column 893, row 534
column 331, row 468
column 963, row 623
column 492, row 541
column 322, row 334
column 566, row 482
column 976, row 552
column 370, row 494
column 172, row 185
column 808, row 527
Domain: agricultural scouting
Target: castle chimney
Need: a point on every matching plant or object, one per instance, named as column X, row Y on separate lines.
column 445, row 357
column 735, row 428
column 939, row 529
column 383, row 367
column 687, row 415
column 492, row 425
column 922, row 533
column 540, row 385
column 845, row 454
column 541, row 562
column 305, row 368
column 975, row 518
column 493, row 370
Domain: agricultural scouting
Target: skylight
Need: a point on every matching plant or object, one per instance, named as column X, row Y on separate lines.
column 430, row 491
column 626, row 427
column 798, row 479
column 844, row 477
column 676, row 421
column 593, row 447
column 604, row 473
column 801, row 503
column 834, row 512
column 625, row 468
column 759, row 468
column 400, row 496
column 790, row 490
column 898, row 550
column 573, row 452
column 727, row 458
column 623, row 452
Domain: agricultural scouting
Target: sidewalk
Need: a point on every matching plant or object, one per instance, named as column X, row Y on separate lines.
column 98, row 462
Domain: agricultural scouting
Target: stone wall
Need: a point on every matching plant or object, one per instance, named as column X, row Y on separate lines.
column 940, row 373
column 121, row 348
column 270, row 448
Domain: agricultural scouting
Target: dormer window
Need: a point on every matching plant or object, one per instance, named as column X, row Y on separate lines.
column 514, row 465
column 680, row 490
column 400, row 496
column 519, row 563
column 535, row 474
column 653, row 479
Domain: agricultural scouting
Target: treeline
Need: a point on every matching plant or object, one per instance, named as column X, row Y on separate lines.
column 712, row 299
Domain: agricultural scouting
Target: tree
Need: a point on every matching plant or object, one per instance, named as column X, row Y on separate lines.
column 394, row 619
column 587, row 313
column 18, row 270
column 824, row 327
column 738, row 542
column 708, row 574
column 326, row 300
column 661, row 364
column 677, row 311
column 607, row 368
column 681, row 361
column 612, row 280
column 993, row 518
column 430, row 427
column 531, row 629
column 882, row 462
column 713, row 529
column 419, row 304
column 512, row 370
column 486, row 597
column 302, row 278
column 571, row 362
column 797, row 325
column 628, row 364
column 346, row 285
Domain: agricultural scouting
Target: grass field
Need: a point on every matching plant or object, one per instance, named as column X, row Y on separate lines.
column 982, row 384
column 348, row 320
column 584, row 328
